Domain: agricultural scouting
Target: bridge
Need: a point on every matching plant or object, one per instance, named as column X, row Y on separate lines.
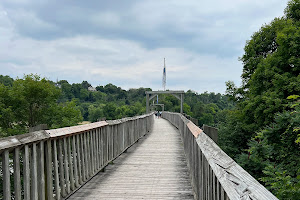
column 132, row 158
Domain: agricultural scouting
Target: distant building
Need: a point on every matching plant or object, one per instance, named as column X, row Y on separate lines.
column 92, row 89
column 57, row 85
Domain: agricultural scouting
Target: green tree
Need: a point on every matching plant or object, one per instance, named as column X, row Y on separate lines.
column 6, row 80
column 32, row 101
column 33, row 95
column 63, row 115
column 270, row 75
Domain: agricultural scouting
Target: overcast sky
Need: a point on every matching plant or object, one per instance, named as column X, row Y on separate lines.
column 125, row 42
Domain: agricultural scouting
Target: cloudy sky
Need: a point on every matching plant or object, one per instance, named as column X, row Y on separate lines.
column 125, row 42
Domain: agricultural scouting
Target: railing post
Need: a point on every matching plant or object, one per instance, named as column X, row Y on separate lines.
column 17, row 178
column 6, row 176
column 56, row 174
column 49, row 179
column 56, row 162
column 34, row 184
column 41, row 171
column 26, row 172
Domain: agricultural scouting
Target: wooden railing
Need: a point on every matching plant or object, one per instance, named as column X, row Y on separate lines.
column 53, row 164
column 214, row 174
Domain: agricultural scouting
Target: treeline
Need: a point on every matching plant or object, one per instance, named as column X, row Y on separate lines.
column 32, row 100
column 107, row 102
column 262, row 132
column 112, row 102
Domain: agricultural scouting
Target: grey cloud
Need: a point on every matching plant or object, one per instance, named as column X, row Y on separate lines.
column 153, row 24
column 124, row 42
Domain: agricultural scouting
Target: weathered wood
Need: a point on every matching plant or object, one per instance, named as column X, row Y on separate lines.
column 56, row 162
column 17, row 178
column 75, row 161
column 26, row 172
column 49, row 178
column 56, row 174
column 33, row 174
column 78, row 150
column 6, row 175
column 86, row 157
column 97, row 149
column 235, row 182
column 61, row 169
column 12, row 142
column 83, row 158
column 68, row 131
column 70, row 160
column 92, row 154
column 41, row 172
column 66, row 165
column 154, row 168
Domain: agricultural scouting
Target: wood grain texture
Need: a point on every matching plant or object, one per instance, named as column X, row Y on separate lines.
column 235, row 182
column 20, row 140
column 153, row 168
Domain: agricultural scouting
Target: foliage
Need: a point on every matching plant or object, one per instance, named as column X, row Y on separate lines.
column 6, row 80
column 31, row 101
column 268, row 146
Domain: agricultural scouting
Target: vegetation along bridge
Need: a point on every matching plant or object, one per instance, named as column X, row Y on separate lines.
column 131, row 158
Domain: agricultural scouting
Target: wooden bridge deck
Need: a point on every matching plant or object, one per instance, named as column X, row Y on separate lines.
column 153, row 168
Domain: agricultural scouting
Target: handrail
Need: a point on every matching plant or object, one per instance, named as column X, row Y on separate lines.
column 214, row 174
column 53, row 164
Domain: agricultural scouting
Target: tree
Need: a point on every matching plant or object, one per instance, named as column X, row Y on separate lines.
column 269, row 74
column 63, row 115
column 33, row 95
column 109, row 111
column 32, row 101
column 6, row 80
column 274, row 154
column 263, row 144
column 85, row 85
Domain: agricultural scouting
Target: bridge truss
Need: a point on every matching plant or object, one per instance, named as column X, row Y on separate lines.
column 179, row 94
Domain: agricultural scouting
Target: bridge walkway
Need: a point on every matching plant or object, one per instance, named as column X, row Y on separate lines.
column 153, row 168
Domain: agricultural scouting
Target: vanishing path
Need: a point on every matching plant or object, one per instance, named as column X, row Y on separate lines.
column 153, row 168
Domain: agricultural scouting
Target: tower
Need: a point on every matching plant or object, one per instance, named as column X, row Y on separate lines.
column 164, row 81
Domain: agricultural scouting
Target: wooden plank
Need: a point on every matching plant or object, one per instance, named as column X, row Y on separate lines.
column 92, row 152
column 71, row 166
column 19, row 140
column 154, row 168
column 102, row 130
column 83, row 158
column 17, row 178
column 56, row 174
column 34, row 181
column 66, row 166
column 87, row 157
column 98, row 148
column 62, row 180
column 49, row 178
column 6, row 176
column 41, row 171
column 75, row 161
column 78, row 150
column 235, row 181
column 26, row 172
column 68, row 131
column 87, row 162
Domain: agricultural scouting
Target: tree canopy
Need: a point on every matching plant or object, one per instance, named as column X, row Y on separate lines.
column 262, row 132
